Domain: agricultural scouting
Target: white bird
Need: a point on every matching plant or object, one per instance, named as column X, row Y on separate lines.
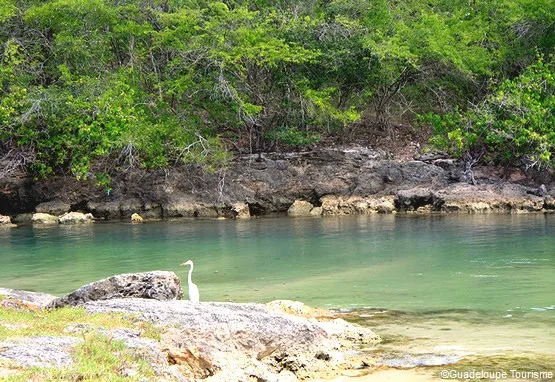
column 194, row 295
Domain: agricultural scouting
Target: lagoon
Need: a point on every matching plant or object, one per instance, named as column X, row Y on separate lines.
column 453, row 283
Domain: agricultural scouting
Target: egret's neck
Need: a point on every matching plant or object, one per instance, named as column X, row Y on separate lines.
column 190, row 272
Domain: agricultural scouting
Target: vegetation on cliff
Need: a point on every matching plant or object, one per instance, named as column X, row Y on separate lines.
column 97, row 86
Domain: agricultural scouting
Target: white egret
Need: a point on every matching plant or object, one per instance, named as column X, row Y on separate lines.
column 194, row 295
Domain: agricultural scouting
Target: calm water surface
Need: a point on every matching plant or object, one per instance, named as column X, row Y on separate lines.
column 460, row 272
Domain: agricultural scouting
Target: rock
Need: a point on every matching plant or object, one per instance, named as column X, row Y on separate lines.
column 76, row 218
column 5, row 221
column 540, row 191
column 300, row 208
column 39, row 300
column 549, row 203
column 54, row 207
column 416, row 198
column 158, row 285
column 23, row 218
column 40, row 218
column 226, row 341
column 316, row 211
column 297, row 308
column 105, row 210
column 39, row 351
column 240, row 211
column 332, row 205
column 136, row 218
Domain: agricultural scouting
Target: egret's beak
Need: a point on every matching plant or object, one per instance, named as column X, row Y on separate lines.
column 182, row 264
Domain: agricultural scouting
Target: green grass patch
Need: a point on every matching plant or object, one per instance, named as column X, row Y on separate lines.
column 97, row 358
column 58, row 322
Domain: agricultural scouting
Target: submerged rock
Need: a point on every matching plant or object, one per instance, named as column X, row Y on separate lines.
column 158, row 285
column 75, row 218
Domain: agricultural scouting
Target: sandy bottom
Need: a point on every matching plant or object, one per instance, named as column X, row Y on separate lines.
column 390, row 376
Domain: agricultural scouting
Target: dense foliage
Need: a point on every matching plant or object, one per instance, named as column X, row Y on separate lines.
column 101, row 85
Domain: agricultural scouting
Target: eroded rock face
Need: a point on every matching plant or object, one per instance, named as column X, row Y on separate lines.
column 53, row 207
column 226, row 341
column 76, row 218
column 270, row 183
column 158, row 285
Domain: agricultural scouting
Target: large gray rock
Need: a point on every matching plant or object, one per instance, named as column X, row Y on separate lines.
column 75, row 218
column 158, row 285
column 227, row 341
column 53, row 207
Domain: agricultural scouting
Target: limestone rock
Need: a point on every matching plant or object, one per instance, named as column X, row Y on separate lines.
column 417, row 198
column 240, row 211
column 23, row 218
column 75, row 218
column 39, row 351
column 53, row 207
column 333, row 205
column 230, row 342
column 298, row 308
column 300, row 208
column 105, row 210
column 5, row 221
column 136, row 218
column 158, row 285
column 40, row 300
column 40, row 218
column 316, row 211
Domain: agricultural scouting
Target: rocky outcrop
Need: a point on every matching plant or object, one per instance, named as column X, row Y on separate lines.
column 6, row 221
column 340, row 180
column 53, row 207
column 76, row 218
column 280, row 341
column 158, row 285
column 226, row 341
column 40, row 218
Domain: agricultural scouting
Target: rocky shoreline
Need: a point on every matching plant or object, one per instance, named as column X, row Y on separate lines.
column 279, row 341
column 314, row 183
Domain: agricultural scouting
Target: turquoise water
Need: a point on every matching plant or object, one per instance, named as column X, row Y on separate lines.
column 410, row 263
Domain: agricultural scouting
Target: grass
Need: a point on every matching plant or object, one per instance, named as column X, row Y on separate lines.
column 97, row 358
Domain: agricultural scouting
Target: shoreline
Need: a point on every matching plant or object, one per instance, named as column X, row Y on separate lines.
column 337, row 181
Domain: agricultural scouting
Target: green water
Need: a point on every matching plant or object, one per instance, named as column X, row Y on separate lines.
column 405, row 262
